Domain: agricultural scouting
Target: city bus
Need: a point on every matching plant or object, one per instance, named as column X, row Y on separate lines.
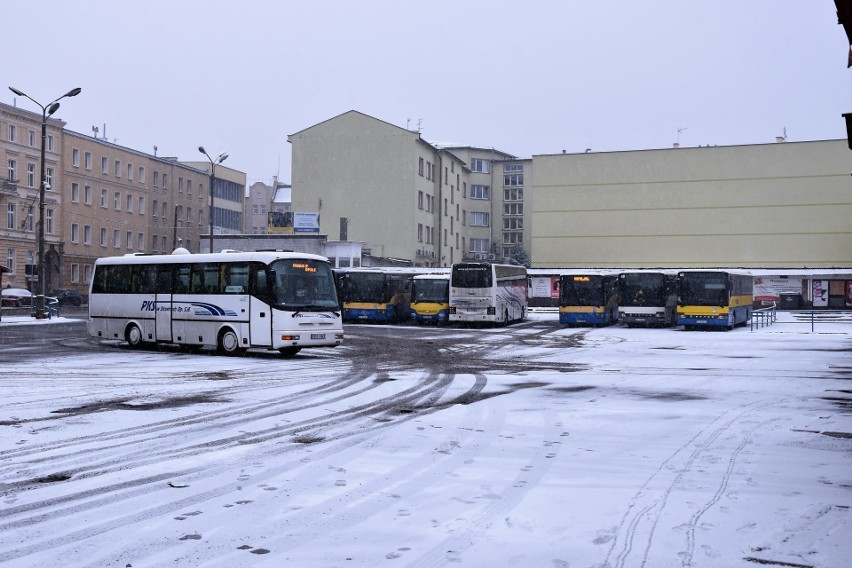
column 647, row 298
column 588, row 298
column 430, row 298
column 488, row 293
column 230, row 301
column 374, row 295
column 714, row 298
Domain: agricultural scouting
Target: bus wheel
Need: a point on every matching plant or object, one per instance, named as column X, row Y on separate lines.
column 133, row 335
column 289, row 351
column 229, row 343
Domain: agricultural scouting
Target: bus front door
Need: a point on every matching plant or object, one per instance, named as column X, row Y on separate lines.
column 260, row 322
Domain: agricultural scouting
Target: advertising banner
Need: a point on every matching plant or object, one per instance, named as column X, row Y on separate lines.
column 544, row 287
column 306, row 222
column 770, row 289
column 279, row 223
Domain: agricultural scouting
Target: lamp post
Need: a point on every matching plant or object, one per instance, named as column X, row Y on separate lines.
column 222, row 157
column 46, row 111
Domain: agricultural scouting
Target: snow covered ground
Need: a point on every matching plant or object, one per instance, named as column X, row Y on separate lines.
column 531, row 446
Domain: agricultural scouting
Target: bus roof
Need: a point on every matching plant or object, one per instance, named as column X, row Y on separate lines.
column 235, row 256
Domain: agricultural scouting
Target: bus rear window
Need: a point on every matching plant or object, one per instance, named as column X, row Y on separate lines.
column 471, row 276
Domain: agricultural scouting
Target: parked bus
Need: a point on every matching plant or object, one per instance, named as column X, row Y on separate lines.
column 430, row 298
column 588, row 299
column 714, row 298
column 230, row 301
column 488, row 293
column 647, row 298
column 374, row 295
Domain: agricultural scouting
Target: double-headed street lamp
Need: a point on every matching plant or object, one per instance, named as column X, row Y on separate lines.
column 222, row 157
column 46, row 111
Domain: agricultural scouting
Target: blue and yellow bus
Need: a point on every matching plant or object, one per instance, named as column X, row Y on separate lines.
column 588, row 298
column 647, row 298
column 430, row 298
column 374, row 295
column 710, row 299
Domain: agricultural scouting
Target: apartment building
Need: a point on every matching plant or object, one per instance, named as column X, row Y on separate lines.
column 264, row 201
column 399, row 195
column 116, row 200
column 229, row 190
column 20, row 148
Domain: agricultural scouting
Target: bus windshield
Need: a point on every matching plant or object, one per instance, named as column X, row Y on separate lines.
column 472, row 276
column 430, row 291
column 582, row 291
column 643, row 290
column 303, row 284
column 704, row 289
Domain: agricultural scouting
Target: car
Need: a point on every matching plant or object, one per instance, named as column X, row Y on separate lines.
column 16, row 297
column 66, row 296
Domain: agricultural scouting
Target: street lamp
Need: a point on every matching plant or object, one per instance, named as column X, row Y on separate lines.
column 222, row 157
column 46, row 111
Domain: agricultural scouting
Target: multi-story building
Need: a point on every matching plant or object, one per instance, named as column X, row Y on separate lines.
column 229, row 190
column 20, row 147
column 116, row 200
column 401, row 196
column 264, row 201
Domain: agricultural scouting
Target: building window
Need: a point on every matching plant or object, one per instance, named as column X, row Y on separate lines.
column 50, row 142
column 10, row 216
column 75, row 157
column 87, row 234
column 180, row 185
column 30, row 175
column 104, row 165
column 10, row 260
column 29, row 221
column 156, row 178
column 513, row 209
column 116, row 201
column 75, row 192
column 513, row 179
column 87, row 194
column 103, row 198
column 155, row 209
column 87, row 160
column 511, row 168
column 480, row 166
column 479, row 245
column 12, row 167
column 165, row 181
column 420, row 166
column 130, row 172
column 189, row 188
column 129, row 202
column 87, row 273
column 140, row 242
column 31, row 138
column 141, row 205
column 12, row 132
column 129, row 241
column 419, row 232
column 48, row 221
column 141, row 174
column 75, row 233
column 48, row 178
column 513, row 223
column 480, row 192
column 116, row 238
column 103, row 237
column 420, row 200
column 75, row 273
column 117, row 168
column 479, row 219
column 515, row 194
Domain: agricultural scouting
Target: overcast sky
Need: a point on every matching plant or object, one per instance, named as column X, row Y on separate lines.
column 526, row 78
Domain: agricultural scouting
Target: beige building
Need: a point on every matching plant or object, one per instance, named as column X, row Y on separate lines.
column 787, row 204
column 116, row 200
column 20, row 148
column 264, row 201
column 404, row 198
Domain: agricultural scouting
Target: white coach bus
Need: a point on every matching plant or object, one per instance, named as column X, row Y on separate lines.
column 230, row 301
column 488, row 293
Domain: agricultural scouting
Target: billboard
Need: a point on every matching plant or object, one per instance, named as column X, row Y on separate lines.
column 306, row 222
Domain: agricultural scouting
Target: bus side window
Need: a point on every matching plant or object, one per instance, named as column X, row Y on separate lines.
column 259, row 286
column 235, row 278
column 181, row 283
column 164, row 280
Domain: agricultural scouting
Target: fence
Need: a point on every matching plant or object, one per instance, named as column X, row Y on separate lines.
column 763, row 317
column 817, row 320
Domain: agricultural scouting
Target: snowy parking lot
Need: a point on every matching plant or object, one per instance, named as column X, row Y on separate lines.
column 531, row 445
